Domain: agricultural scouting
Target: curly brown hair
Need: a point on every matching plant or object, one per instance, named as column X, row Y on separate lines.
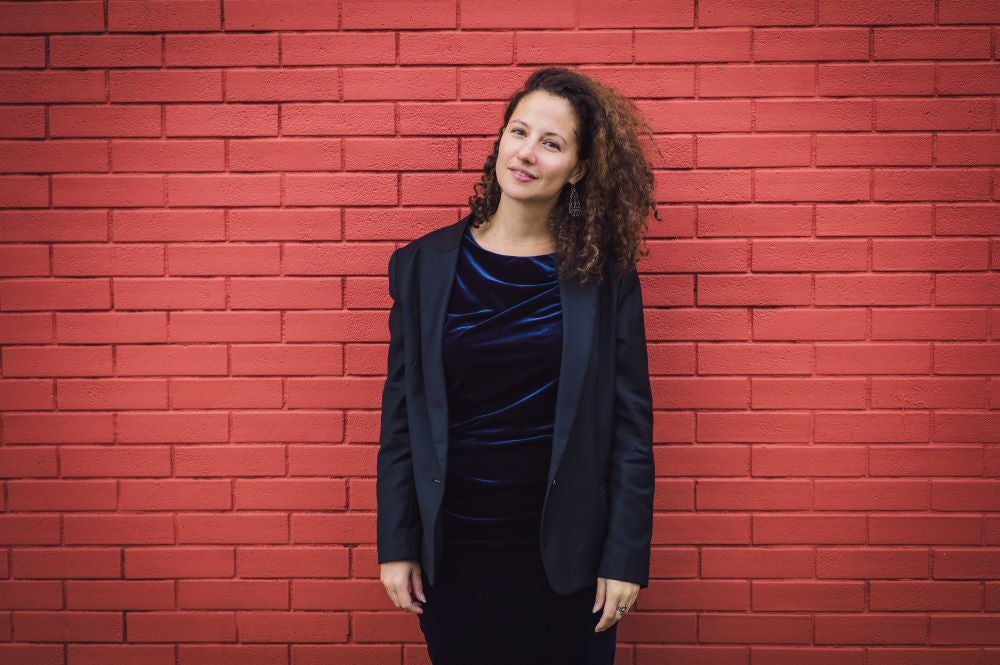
column 616, row 192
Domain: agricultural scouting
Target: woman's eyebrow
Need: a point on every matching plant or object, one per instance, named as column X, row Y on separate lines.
column 529, row 127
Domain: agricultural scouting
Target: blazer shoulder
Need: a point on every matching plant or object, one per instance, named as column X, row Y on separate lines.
column 431, row 240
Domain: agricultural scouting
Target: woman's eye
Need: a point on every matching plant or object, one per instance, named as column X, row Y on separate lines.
column 551, row 143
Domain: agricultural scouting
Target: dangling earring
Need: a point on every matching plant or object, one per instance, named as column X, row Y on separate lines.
column 575, row 209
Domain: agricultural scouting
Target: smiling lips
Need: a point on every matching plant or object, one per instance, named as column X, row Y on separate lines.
column 523, row 174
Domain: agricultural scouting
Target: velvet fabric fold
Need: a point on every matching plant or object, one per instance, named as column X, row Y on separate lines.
column 501, row 347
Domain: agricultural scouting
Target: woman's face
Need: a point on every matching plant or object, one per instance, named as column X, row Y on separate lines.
column 539, row 140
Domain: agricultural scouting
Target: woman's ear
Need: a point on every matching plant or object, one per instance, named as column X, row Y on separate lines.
column 579, row 172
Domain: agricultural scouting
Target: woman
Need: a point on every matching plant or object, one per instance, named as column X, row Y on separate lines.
column 515, row 469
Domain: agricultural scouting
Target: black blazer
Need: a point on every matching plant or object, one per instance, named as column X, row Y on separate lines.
column 597, row 518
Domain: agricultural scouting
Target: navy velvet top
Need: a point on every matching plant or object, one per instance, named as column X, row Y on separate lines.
column 502, row 348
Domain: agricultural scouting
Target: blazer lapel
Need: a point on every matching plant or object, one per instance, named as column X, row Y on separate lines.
column 579, row 306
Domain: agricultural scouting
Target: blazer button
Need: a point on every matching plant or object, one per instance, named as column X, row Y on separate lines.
column 437, row 481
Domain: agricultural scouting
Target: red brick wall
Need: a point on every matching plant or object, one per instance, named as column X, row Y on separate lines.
column 199, row 199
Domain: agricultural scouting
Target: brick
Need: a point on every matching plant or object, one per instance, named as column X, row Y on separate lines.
column 930, row 43
column 925, row 460
column 851, row 80
column 832, row 494
column 22, row 52
column 53, row 156
column 223, row 259
column 456, row 48
column 813, row 115
column 754, row 220
column 955, row 11
column 810, row 44
column 857, row 12
column 699, row 116
column 715, row 186
column 937, row 254
column 968, row 219
column 757, row 80
column 337, row 189
column 25, row 191
column 943, row 184
column 230, row 327
column 814, row 185
column 704, row 324
column 726, row 45
column 752, row 427
column 967, row 79
column 441, row 14
column 164, row 156
column 809, row 324
column 809, row 255
column 121, row 120
column 266, row 85
column 882, row 150
column 285, row 224
column 932, row 324
column 873, row 289
column 885, row 629
column 166, row 86
column 343, row 48
column 761, row 151
column 215, row 120
column 982, row 427
column 720, row 13
column 164, row 15
column 22, row 122
column 228, row 50
column 579, row 46
column 812, row 393
column 167, row 225
column 807, row 460
column 51, row 86
column 392, row 154
column 935, row 114
column 966, row 358
column 105, row 50
column 872, row 426
column 935, row 393
column 285, row 155
column 966, row 289
column 907, row 219
column 966, row 150
column 332, row 119
column 46, row 17
column 873, row 358
column 754, row 290
column 760, row 358
column 102, row 191
column 699, row 256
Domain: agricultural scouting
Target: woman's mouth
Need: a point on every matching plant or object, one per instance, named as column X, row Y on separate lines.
column 522, row 176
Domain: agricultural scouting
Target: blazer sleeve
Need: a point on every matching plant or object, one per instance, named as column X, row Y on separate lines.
column 626, row 551
column 399, row 529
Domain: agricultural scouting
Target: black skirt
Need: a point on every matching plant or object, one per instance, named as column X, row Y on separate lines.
column 494, row 606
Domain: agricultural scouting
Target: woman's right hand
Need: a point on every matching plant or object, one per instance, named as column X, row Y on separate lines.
column 402, row 581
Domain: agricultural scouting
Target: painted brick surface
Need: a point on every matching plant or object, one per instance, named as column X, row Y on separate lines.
column 198, row 200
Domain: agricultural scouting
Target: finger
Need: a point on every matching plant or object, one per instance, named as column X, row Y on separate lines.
column 418, row 585
column 403, row 593
column 599, row 599
column 392, row 595
column 609, row 616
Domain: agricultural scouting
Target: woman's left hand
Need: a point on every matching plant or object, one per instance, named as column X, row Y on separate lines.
column 611, row 594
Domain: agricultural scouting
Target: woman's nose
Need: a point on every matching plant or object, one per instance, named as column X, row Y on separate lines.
column 526, row 152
